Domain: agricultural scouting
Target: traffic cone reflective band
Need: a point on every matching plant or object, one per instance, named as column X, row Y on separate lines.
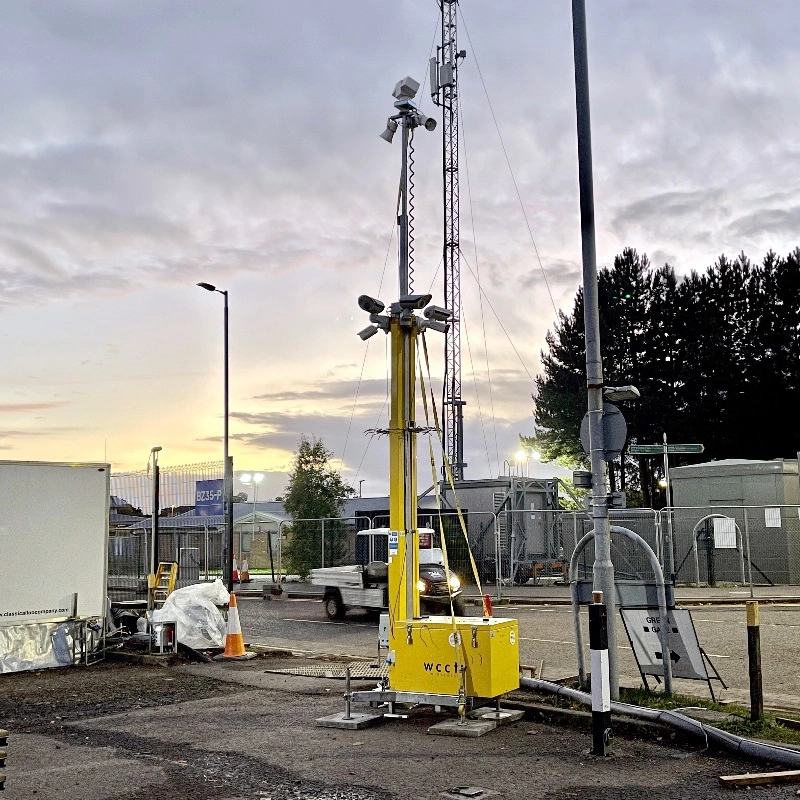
column 234, row 642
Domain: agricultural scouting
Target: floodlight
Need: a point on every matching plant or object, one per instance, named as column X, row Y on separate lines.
column 414, row 302
column 616, row 393
column 367, row 333
column 438, row 313
column 391, row 127
column 429, row 123
column 370, row 304
column 406, row 89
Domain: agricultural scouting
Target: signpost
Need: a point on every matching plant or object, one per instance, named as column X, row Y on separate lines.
column 658, row 449
column 664, row 450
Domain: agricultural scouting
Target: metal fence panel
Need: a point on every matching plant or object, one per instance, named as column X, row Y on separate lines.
column 755, row 545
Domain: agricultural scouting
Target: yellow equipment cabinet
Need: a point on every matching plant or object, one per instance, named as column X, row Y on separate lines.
column 426, row 657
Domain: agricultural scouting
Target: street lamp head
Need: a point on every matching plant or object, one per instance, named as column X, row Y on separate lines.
column 155, row 449
column 615, row 394
column 209, row 287
column 258, row 477
column 245, row 477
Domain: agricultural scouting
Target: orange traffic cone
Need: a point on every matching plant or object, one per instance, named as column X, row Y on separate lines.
column 245, row 571
column 235, row 571
column 234, row 642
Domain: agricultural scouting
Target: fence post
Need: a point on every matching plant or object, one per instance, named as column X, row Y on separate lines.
column 754, row 661
column 322, row 539
column 498, row 557
column 747, row 545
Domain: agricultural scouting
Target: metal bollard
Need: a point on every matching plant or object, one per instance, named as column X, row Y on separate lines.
column 601, row 691
column 347, row 693
column 754, row 661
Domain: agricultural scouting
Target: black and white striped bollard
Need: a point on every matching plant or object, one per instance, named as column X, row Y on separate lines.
column 601, row 690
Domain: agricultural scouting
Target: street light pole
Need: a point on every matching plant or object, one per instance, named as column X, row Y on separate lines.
column 227, row 465
column 603, row 566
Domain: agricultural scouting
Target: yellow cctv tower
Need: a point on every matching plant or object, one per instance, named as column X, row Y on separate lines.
column 443, row 661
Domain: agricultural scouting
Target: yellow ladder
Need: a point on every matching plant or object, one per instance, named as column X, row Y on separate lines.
column 163, row 582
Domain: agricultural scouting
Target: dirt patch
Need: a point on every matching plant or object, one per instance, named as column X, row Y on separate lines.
column 35, row 702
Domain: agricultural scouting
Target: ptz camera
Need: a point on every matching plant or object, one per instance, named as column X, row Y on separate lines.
column 370, row 304
column 414, row 302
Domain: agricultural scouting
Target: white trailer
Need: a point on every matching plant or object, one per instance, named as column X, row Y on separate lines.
column 53, row 567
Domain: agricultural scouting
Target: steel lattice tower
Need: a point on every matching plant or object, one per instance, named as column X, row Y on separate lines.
column 444, row 90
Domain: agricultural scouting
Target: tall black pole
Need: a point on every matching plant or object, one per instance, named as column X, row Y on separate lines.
column 228, row 467
column 603, row 568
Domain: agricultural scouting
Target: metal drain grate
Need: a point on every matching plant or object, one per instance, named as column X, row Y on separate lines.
column 358, row 669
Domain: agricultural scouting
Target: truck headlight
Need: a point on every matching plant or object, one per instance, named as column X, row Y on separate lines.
column 422, row 586
column 455, row 583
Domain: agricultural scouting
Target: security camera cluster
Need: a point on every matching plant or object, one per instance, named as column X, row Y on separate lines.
column 404, row 93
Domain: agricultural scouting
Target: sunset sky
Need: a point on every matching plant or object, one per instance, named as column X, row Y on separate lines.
column 147, row 146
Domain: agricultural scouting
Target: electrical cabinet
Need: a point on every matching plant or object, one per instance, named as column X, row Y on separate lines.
column 427, row 656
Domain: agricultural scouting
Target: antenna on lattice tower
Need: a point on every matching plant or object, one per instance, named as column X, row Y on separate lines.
column 444, row 92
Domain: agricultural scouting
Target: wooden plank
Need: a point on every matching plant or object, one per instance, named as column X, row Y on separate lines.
column 788, row 722
column 761, row 778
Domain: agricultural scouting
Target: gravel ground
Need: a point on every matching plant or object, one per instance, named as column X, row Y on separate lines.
column 230, row 731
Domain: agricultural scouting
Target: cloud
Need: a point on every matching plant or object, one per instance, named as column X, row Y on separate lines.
column 12, row 408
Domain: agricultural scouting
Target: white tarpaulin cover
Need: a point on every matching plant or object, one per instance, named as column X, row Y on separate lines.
column 200, row 624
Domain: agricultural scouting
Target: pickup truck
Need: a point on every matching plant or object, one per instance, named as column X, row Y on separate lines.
column 366, row 584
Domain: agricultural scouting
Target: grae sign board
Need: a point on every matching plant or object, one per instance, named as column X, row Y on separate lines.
column 53, row 540
column 643, row 626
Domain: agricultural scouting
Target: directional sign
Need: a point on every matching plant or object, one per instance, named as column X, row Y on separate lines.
column 658, row 449
column 685, row 448
column 643, row 627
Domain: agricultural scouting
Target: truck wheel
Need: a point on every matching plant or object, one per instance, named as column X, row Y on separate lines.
column 334, row 607
column 459, row 607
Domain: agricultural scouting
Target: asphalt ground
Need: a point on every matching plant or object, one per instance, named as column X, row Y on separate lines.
column 547, row 641
column 240, row 730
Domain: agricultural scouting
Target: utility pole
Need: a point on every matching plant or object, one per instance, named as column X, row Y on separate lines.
column 603, row 567
column 444, row 92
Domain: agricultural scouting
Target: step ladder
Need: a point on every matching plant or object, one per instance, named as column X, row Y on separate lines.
column 162, row 583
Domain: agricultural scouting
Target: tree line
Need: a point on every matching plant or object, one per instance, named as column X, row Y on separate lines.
column 715, row 355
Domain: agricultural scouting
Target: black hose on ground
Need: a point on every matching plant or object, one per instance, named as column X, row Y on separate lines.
column 748, row 748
